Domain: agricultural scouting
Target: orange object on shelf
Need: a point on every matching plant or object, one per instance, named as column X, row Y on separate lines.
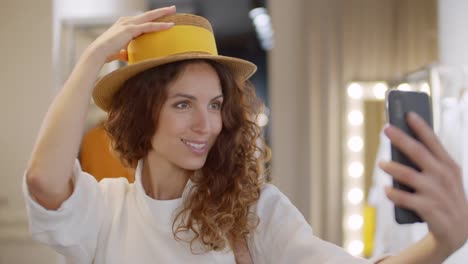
column 98, row 159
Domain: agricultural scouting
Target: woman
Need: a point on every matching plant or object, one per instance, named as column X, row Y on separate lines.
column 182, row 115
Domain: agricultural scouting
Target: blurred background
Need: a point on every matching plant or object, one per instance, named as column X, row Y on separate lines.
column 325, row 67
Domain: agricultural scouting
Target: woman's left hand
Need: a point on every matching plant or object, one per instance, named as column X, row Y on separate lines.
column 439, row 197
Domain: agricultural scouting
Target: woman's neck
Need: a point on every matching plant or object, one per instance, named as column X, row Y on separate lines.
column 163, row 180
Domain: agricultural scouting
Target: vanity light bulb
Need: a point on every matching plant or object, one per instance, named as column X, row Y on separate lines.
column 355, row 90
column 355, row 169
column 379, row 90
column 425, row 88
column 355, row 118
column 355, row 247
column 404, row 87
column 355, row 196
column 355, row 222
column 355, row 144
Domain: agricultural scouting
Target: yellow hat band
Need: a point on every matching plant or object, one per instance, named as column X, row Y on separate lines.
column 176, row 40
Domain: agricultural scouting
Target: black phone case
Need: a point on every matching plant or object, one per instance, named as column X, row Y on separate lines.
column 399, row 103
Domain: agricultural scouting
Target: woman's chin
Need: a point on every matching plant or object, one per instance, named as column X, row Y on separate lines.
column 192, row 165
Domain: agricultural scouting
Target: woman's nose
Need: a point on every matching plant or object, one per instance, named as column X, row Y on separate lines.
column 201, row 122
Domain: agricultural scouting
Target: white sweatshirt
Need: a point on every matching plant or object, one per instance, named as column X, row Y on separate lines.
column 114, row 222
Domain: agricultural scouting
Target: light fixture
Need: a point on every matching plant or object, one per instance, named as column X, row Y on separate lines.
column 355, row 90
column 404, row 87
column 355, row 118
column 262, row 23
column 379, row 90
column 355, row 169
column 355, row 247
column 262, row 119
column 355, row 144
column 355, row 222
column 353, row 156
column 355, row 196
column 425, row 88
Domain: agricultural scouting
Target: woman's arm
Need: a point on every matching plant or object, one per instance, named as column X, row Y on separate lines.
column 426, row 251
column 49, row 170
column 439, row 197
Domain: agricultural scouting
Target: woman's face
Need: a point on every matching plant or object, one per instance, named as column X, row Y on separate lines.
column 190, row 119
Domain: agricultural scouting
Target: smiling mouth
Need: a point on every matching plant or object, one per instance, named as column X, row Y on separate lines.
column 196, row 146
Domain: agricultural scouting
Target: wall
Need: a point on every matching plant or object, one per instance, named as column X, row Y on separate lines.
column 452, row 34
column 26, row 91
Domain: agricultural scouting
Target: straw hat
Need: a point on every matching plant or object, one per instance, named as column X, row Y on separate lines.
column 191, row 37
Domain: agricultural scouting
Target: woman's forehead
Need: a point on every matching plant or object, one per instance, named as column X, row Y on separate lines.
column 196, row 79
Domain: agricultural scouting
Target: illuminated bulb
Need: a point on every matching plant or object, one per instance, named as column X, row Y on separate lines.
column 355, row 90
column 262, row 119
column 355, row 144
column 355, row 196
column 355, row 169
column 379, row 90
column 355, row 222
column 425, row 88
column 355, row 247
column 355, row 118
column 404, row 87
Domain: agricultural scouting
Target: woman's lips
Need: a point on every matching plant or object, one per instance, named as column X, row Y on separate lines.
column 199, row 147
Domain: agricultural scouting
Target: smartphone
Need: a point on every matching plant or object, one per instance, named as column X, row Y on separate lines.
column 399, row 104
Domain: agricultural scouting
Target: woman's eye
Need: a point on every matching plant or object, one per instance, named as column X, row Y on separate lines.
column 216, row 106
column 182, row 105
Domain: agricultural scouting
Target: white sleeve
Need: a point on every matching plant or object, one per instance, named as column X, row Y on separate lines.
column 72, row 229
column 284, row 236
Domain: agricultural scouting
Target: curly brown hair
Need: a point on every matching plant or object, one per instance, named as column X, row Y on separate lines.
column 217, row 207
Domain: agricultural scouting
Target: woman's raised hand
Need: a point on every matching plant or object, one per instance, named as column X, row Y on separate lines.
column 439, row 197
column 112, row 44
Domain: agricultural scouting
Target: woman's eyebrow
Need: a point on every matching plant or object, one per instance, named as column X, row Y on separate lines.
column 184, row 95
column 191, row 97
column 216, row 97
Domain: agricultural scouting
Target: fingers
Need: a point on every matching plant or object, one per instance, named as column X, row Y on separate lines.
column 429, row 139
column 127, row 28
column 420, row 204
column 153, row 14
column 429, row 154
column 422, row 183
column 404, row 199
column 135, row 31
column 404, row 174
column 429, row 194
column 425, row 205
column 149, row 27
column 439, row 197
column 415, row 151
column 446, row 172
